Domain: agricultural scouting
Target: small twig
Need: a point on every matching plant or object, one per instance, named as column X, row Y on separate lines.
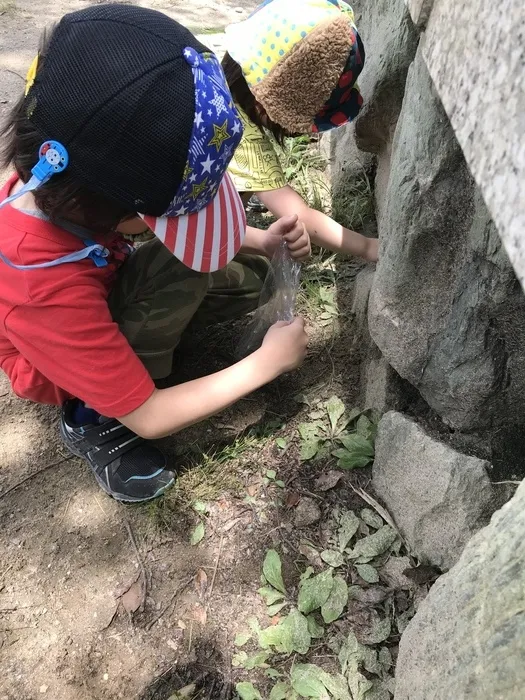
column 215, row 572
column 378, row 508
column 178, row 590
column 141, row 563
column 100, row 506
column 191, row 637
column 31, row 476
column 305, row 492
column 8, row 70
column 5, row 572
column 274, row 529
column 497, row 483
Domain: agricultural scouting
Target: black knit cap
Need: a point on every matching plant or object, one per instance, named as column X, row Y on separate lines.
column 115, row 90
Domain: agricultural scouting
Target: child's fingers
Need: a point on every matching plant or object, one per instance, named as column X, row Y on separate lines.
column 301, row 253
column 295, row 233
column 298, row 243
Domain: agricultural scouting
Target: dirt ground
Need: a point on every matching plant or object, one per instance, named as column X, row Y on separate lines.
column 74, row 564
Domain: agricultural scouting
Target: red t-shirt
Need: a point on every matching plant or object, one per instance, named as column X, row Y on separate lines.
column 57, row 337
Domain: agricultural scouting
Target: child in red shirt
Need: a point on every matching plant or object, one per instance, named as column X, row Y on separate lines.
column 125, row 112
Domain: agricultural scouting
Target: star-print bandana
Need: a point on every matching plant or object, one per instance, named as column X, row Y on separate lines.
column 205, row 224
column 345, row 101
column 217, row 131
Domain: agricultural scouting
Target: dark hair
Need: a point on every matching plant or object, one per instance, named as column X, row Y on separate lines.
column 244, row 98
column 62, row 197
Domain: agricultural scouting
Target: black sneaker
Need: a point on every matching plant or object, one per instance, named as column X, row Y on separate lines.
column 255, row 204
column 126, row 466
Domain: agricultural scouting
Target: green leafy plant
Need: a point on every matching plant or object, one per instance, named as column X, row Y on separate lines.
column 271, row 478
column 348, row 436
column 360, row 542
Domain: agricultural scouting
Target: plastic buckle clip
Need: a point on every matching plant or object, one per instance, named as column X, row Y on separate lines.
column 98, row 254
column 53, row 159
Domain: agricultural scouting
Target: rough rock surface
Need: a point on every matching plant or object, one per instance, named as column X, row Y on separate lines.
column 467, row 640
column 420, row 11
column 381, row 386
column 489, row 123
column 438, row 497
column 307, row 513
column 390, row 40
column 446, row 309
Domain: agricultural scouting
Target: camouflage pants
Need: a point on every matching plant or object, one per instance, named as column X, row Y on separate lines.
column 156, row 298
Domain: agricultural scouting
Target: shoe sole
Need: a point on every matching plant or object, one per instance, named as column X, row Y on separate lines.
column 117, row 496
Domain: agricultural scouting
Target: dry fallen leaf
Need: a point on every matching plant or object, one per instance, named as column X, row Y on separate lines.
column 292, row 499
column 201, row 583
column 133, row 598
column 231, row 524
column 199, row 614
column 311, row 554
column 375, row 595
column 328, row 480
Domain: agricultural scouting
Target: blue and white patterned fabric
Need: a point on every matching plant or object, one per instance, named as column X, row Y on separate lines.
column 217, row 131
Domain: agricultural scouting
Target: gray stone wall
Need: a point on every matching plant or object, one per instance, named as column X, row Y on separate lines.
column 446, row 311
column 442, row 323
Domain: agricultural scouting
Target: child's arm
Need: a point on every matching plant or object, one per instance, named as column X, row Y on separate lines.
column 323, row 230
column 169, row 410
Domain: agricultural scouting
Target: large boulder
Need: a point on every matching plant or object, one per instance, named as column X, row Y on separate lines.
column 437, row 496
column 446, row 309
column 467, row 640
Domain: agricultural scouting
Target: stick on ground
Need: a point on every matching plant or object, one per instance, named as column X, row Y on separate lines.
column 31, row 476
column 141, row 563
column 178, row 590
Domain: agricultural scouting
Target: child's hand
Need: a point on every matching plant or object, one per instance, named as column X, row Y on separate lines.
column 294, row 233
column 284, row 345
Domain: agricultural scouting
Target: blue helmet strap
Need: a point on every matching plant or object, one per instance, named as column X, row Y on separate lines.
column 54, row 159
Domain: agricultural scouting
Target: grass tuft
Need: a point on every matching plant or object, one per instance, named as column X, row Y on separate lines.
column 304, row 167
column 353, row 202
column 207, row 477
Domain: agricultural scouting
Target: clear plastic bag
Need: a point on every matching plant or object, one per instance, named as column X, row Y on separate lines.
column 277, row 300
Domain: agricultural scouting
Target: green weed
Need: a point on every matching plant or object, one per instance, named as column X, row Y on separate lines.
column 206, row 478
column 353, row 202
column 304, row 166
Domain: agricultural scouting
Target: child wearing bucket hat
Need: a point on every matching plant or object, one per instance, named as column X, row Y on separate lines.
column 292, row 68
column 125, row 112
